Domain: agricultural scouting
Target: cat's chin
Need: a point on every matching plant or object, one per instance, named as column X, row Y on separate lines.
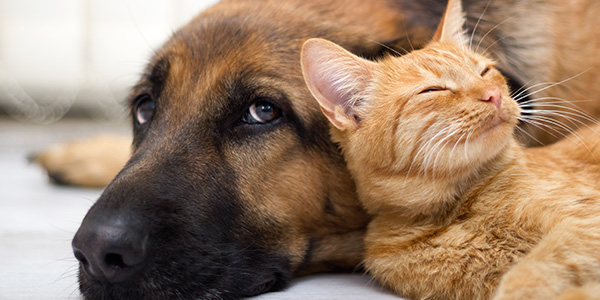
column 493, row 138
column 500, row 127
column 501, row 131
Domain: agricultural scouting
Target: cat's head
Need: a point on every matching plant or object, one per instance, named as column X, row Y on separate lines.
column 439, row 110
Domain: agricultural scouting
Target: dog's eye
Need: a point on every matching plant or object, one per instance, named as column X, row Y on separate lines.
column 144, row 109
column 261, row 112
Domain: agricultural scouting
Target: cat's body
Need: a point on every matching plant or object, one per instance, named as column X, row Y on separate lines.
column 461, row 209
column 536, row 214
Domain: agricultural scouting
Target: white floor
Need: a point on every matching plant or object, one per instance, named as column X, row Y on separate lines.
column 38, row 220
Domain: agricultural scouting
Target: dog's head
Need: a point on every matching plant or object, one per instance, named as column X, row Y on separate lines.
column 234, row 185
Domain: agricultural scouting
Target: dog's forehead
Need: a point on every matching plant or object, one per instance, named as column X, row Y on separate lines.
column 207, row 63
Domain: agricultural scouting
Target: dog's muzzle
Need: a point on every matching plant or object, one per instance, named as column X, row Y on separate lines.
column 111, row 250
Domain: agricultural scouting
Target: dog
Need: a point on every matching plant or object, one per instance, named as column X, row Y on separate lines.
column 233, row 186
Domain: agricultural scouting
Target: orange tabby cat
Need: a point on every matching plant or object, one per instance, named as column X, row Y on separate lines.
column 461, row 210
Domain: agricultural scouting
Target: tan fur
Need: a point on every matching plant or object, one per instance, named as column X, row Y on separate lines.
column 461, row 210
column 309, row 191
column 589, row 291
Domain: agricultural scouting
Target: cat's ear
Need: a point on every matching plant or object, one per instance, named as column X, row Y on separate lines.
column 451, row 28
column 337, row 79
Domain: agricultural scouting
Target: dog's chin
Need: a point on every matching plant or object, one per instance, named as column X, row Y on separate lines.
column 190, row 284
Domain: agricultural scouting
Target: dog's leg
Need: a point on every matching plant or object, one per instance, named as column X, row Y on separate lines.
column 91, row 162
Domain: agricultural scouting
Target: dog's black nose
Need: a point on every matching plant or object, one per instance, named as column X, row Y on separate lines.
column 110, row 251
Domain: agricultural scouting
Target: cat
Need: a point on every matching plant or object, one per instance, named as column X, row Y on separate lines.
column 460, row 209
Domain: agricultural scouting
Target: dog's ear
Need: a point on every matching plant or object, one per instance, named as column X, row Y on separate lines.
column 337, row 79
column 451, row 27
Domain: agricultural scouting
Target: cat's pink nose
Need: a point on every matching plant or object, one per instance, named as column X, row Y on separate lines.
column 492, row 95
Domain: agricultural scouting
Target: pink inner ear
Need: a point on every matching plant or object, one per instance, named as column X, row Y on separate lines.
column 331, row 79
column 334, row 77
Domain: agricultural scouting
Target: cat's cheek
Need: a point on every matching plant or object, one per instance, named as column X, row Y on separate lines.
column 510, row 111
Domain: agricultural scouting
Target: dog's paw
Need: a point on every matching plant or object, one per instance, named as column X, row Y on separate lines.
column 90, row 162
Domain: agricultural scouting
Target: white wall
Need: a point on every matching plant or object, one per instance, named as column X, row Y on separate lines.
column 57, row 55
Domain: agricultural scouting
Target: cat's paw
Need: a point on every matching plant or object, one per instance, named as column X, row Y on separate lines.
column 92, row 162
column 590, row 291
column 528, row 283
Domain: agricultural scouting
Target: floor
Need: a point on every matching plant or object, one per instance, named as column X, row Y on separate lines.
column 38, row 220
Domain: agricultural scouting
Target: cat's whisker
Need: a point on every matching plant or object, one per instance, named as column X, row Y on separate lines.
column 529, row 135
column 425, row 147
column 518, row 91
column 573, row 116
column 550, row 107
column 438, row 145
column 572, row 134
column 414, row 159
column 568, row 129
column 543, row 118
column 484, row 52
column 544, row 127
column 441, row 147
column 390, row 48
column 547, row 122
column 466, row 145
column 554, row 84
column 490, row 31
column 542, row 100
column 407, row 37
column 536, row 103
column 543, row 108
column 519, row 96
column 457, row 142
column 477, row 24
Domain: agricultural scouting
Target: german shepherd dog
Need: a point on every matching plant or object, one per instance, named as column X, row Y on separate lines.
column 234, row 186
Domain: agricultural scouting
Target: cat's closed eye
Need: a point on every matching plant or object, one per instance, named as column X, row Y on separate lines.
column 485, row 71
column 432, row 89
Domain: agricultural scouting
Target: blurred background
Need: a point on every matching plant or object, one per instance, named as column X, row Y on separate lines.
column 65, row 70
column 79, row 57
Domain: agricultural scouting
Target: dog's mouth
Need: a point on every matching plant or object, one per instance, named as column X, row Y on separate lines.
column 201, row 280
column 268, row 282
column 172, row 251
column 147, row 289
